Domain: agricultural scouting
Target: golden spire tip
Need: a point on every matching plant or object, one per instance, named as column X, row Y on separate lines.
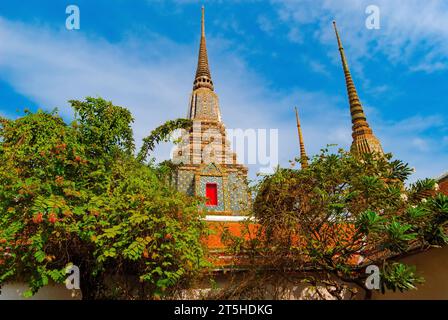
column 203, row 21
column 303, row 156
column 203, row 78
column 363, row 139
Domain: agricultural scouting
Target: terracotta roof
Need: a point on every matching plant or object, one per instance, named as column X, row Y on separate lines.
column 442, row 176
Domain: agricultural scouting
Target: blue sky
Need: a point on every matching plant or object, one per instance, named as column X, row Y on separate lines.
column 265, row 56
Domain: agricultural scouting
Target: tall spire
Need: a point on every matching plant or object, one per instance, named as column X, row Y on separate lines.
column 203, row 77
column 363, row 139
column 303, row 156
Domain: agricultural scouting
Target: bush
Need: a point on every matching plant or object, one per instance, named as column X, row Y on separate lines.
column 76, row 194
column 329, row 221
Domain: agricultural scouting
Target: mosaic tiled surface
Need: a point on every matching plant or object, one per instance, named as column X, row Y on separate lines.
column 218, row 180
column 185, row 182
column 206, row 105
column 232, row 190
column 237, row 191
column 211, row 169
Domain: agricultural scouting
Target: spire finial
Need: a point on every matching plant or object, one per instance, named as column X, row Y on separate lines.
column 363, row 139
column 337, row 35
column 303, row 156
column 203, row 22
column 203, row 77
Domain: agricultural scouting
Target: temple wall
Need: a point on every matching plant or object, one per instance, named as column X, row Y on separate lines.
column 443, row 185
column 185, row 182
column 15, row 290
column 238, row 193
column 233, row 197
column 433, row 266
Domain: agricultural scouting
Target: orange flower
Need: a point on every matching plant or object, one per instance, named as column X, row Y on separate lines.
column 52, row 218
column 38, row 218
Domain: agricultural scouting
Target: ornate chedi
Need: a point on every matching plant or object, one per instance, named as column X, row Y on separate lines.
column 303, row 156
column 207, row 167
column 364, row 141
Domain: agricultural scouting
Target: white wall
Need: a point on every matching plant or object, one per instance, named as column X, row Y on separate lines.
column 14, row 291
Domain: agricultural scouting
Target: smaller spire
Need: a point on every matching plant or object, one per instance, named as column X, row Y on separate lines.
column 357, row 112
column 364, row 140
column 303, row 156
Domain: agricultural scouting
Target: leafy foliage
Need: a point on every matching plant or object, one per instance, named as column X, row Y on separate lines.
column 75, row 194
column 398, row 276
column 422, row 189
column 162, row 134
column 337, row 216
column 400, row 170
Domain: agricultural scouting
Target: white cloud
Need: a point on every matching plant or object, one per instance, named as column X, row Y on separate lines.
column 429, row 67
column 265, row 24
column 411, row 30
column 152, row 76
column 420, row 144
column 318, row 67
column 408, row 140
column 295, row 36
column 230, row 24
column 417, row 124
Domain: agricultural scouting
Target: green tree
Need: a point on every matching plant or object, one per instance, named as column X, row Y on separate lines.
column 325, row 224
column 162, row 134
column 76, row 194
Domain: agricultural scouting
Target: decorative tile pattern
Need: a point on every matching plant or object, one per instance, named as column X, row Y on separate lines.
column 185, row 182
column 201, row 192
column 211, row 169
column 237, row 191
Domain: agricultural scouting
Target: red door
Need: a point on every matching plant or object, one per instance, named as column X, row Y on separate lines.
column 211, row 192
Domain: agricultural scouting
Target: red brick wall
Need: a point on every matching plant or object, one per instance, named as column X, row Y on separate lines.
column 443, row 185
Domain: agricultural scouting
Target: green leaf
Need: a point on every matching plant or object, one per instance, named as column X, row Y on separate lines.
column 40, row 256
